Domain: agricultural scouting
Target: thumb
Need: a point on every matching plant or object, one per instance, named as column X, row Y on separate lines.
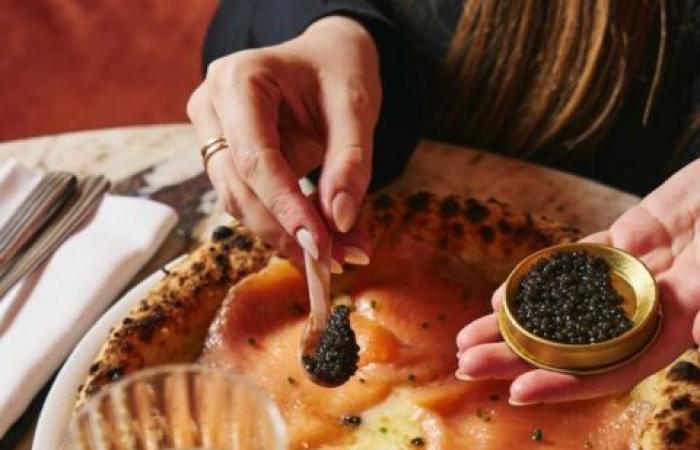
column 350, row 115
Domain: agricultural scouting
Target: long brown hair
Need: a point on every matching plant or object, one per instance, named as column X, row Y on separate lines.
column 542, row 76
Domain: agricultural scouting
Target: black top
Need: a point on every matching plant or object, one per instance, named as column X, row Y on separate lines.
column 631, row 157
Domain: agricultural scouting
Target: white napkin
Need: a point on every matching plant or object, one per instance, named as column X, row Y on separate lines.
column 43, row 317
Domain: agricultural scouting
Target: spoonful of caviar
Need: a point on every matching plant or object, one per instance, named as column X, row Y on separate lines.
column 569, row 298
column 329, row 350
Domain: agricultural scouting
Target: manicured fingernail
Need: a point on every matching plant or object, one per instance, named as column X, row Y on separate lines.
column 336, row 267
column 307, row 242
column 344, row 211
column 462, row 376
column 513, row 402
column 355, row 255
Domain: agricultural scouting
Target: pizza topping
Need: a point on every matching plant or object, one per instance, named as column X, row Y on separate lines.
column 569, row 298
column 298, row 308
column 352, row 421
column 418, row 441
column 335, row 359
column 483, row 415
column 536, row 434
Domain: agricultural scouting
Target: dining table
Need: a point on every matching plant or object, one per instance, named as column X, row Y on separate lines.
column 162, row 162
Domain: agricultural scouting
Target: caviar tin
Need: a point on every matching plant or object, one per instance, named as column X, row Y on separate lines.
column 630, row 278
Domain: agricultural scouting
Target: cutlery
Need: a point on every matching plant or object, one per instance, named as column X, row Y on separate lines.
column 89, row 193
column 318, row 276
column 42, row 204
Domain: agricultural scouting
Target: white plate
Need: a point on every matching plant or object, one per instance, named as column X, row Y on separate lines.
column 58, row 407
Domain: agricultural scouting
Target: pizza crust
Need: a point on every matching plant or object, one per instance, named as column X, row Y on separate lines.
column 170, row 323
column 674, row 394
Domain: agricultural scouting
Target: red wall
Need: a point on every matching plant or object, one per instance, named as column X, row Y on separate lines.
column 78, row 64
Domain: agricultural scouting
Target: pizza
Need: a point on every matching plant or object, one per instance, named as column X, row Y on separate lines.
column 234, row 303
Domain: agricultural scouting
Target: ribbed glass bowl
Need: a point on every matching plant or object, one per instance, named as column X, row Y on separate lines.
column 178, row 407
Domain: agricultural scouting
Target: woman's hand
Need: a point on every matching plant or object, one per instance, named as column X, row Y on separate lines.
column 285, row 110
column 664, row 231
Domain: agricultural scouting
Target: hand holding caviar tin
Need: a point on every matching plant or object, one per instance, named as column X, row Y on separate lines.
column 580, row 308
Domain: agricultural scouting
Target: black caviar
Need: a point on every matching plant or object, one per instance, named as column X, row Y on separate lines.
column 336, row 356
column 352, row 421
column 418, row 441
column 569, row 298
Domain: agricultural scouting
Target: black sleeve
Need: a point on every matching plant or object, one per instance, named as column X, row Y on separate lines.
column 690, row 48
column 242, row 24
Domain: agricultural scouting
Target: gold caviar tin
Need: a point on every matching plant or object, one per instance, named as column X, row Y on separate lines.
column 630, row 278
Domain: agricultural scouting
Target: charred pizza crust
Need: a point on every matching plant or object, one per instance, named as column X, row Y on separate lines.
column 171, row 322
column 674, row 394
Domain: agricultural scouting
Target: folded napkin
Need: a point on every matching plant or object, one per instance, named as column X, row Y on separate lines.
column 45, row 314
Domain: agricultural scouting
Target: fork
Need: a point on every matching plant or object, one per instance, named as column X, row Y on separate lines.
column 42, row 204
column 89, row 193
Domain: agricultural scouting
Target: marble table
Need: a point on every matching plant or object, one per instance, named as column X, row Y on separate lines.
column 161, row 162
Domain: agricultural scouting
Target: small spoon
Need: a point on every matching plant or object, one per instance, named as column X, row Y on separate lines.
column 318, row 276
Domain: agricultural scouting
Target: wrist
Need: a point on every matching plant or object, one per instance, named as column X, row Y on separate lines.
column 342, row 27
column 338, row 24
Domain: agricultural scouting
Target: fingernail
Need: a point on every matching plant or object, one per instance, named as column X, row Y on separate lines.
column 464, row 377
column 307, row 242
column 518, row 403
column 336, row 267
column 355, row 255
column 344, row 211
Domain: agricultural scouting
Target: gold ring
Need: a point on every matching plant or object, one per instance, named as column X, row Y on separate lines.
column 210, row 143
column 212, row 146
